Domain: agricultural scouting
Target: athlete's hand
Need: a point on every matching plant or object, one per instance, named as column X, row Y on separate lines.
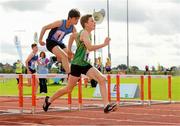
column 41, row 43
column 70, row 54
column 107, row 41
column 28, row 71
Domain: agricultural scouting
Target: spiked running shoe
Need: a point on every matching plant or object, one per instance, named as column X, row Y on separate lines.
column 46, row 104
column 110, row 107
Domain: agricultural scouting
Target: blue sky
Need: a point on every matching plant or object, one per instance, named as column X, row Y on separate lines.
column 154, row 27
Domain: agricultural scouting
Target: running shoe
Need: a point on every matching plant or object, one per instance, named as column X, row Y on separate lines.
column 46, row 104
column 110, row 107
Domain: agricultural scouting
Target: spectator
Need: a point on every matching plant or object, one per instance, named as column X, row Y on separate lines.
column 108, row 65
column 42, row 69
column 147, row 70
column 153, row 69
column 31, row 63
column 99, row 65
column 18, row 69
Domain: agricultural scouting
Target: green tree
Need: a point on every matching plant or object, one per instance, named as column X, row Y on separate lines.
column 122, row 67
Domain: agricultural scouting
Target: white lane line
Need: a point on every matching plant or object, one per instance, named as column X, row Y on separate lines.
column 17, row 123
column 153, row 109
column 140, row 108
column 131, row 113
column 105, row 119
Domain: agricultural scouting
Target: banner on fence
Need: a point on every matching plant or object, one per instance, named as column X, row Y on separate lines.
column 126, row 91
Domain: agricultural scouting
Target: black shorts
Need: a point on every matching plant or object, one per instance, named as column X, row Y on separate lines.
column 50, row 44
column 77, row 70
column 108, row 69
column 31, row 70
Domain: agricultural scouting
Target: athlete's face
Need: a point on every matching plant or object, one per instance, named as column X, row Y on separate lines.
column 91, row 23
column 74, row 20
column 35, row 49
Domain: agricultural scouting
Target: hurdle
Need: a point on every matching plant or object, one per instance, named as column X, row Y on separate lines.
column 118, row 99
column 169, row 84
column 149, row 100
column 20, row 88
column 142, row 100
column 21, row 97
column 118, row 83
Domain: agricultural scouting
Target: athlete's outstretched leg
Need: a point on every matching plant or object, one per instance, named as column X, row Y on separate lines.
column 60, row 54
column 72, row 81
column 97, row 75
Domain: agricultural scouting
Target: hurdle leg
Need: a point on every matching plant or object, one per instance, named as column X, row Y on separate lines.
column 80, row 93
column 142, row 90
column 33, row 93
column 169, row 88
column 149, row 90
column 20, row 86
column 109, row 87
column 118, row 89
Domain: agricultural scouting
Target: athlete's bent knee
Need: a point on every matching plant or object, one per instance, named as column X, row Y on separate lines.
column 68, row 90
column 101, row 79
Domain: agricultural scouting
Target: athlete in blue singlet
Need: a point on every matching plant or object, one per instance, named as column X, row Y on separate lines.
column 59, row 29
column 31, row 63
column 32, row 59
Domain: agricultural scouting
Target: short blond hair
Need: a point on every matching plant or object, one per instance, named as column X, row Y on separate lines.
column 84, row 19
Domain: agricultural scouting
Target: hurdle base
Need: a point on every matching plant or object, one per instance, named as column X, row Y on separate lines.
column 149, row 103
column 21, row 110
column 156, row 102
column 33, row 110
column 70, row 107
column 80, row 106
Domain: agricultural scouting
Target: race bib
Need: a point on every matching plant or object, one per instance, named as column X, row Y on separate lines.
column 33, row 65
column 58, row 35
column 86, row 58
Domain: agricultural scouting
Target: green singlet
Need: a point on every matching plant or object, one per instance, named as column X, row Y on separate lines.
column 81, row 54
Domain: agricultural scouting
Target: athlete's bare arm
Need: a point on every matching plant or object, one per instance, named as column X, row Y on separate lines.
column 47, row 27
column 84, row 37
column 27, row 60
column 72, row 37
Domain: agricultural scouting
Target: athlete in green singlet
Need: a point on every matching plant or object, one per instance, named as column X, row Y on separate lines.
column 80, row 64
